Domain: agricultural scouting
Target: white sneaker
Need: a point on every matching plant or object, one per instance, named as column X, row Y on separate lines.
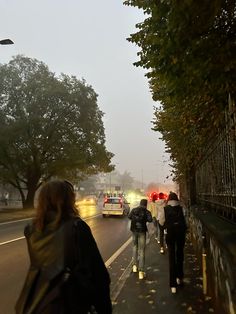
column 178, row 281
column 173, row 290
column 135, row 269
column 162, row 250
column 141, row 274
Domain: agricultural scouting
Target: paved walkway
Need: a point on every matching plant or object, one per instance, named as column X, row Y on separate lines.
column 152, row 295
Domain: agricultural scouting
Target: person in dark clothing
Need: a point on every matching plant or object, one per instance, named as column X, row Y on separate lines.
column 139, row 217
column 175, row 223
column 67, row 274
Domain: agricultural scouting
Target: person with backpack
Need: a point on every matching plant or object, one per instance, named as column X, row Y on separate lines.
column 139, row 217
column 67, row 274
column 174, row 221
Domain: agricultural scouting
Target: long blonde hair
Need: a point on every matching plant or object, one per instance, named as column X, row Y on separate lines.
column 56, row 202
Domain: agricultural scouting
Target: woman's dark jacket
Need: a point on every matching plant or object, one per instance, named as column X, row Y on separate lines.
column 139, row 217
column 69, row 252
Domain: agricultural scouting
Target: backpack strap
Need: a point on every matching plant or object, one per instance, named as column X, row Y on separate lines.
column 62, row 278
column 54, row 292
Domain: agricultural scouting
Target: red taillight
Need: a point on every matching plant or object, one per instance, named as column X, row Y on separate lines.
column 105, row 201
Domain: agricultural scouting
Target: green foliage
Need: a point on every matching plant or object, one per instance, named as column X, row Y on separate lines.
column 188, row 49
column 50, row 126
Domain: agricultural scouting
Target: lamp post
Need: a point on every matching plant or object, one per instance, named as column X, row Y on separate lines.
column 6, row 42
column 142, row 180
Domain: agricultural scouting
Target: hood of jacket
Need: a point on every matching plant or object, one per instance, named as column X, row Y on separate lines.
column 173, row 203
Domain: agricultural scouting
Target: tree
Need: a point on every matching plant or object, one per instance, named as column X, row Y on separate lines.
column 188, row 50
column 126, row 181
column 50, row 126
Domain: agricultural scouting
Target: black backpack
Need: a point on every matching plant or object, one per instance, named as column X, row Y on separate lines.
column 139, row 219
column 175, row 218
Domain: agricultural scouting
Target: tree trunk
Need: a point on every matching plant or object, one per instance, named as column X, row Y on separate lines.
column 28, row 202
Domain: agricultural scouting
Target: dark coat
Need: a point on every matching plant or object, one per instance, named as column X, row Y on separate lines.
column 70, row 252
column 174, row 220
column 139, row 217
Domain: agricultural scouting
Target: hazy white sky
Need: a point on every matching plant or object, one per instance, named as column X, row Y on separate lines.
column 88, row 39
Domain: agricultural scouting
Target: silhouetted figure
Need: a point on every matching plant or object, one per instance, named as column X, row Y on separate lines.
column 6, row 199
column 175, row 223
column 67, row 274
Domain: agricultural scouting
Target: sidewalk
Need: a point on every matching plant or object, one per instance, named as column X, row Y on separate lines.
column 152, row 295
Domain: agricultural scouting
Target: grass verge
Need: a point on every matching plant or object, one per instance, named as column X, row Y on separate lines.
column 10, row 214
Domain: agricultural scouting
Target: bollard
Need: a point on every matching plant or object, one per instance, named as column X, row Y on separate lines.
column 204, row 266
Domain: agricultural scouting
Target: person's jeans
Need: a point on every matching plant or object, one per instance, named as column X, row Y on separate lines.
column 161, row 235
column 155, row 223
column 139, row 244
column 175, row 245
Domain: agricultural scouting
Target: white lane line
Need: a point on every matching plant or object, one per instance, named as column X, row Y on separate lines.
column 25, row 219
column 107, row 263
column 13, row 221
column 118, row 252
column 120, row 283
column 13, row 240
column 6, row 242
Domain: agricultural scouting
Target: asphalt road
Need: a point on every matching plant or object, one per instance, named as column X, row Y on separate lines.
column 110, row 234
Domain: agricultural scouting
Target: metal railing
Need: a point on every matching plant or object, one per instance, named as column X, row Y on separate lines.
column 216, row 173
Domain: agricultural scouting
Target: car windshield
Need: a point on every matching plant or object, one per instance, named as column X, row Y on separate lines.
column 113, row 201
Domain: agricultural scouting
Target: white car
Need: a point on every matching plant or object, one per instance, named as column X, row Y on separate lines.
column 115, row 206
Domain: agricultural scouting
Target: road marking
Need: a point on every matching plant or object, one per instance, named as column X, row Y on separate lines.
column 13, row 240
column 13, row 221
column 6, row 242
column 120, row 283
column 118, row 252
column 124, row 276
column 25, row 219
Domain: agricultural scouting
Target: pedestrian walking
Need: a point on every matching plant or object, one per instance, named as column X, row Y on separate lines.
column 6, row 198
column 139, row 217
column 67, row 274
column 175, row 223
column 160, row 204
column 154, row 212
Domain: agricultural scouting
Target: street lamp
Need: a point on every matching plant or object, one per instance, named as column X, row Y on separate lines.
column 6, row 42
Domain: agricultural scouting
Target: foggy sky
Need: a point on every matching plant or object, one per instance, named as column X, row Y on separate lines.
column 88, row 39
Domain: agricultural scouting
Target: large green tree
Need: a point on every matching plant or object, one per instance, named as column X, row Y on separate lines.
column 188, row 50
column 50, row 126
